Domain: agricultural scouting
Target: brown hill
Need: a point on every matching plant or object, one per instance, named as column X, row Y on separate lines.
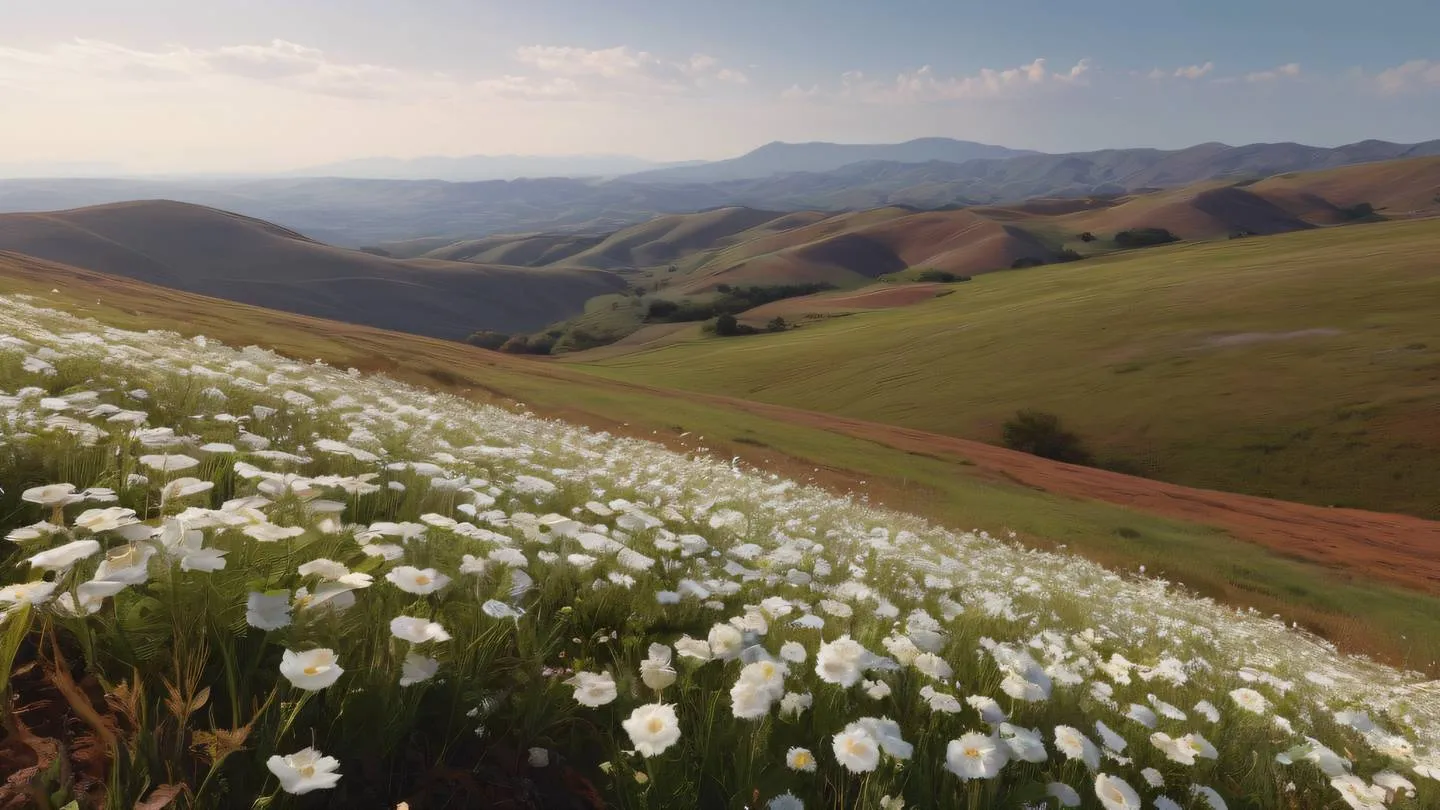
column 1396, row 188
column 225, row 255
column 669, row 238
column 845, row 250
column 522, row 250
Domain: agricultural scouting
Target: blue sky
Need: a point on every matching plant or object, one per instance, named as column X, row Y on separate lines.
column 270, row 84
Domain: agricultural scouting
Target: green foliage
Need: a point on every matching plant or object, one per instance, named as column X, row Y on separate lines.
column 1144, row 237
column 1041, row 434
column 940, row 276
column 1359, row 212
column 1026, row 261
column 487, row 339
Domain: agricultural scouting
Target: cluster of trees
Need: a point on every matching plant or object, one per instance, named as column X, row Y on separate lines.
column 1144, row 237
column 732, row 300
column 727, row 325
column 940, row 276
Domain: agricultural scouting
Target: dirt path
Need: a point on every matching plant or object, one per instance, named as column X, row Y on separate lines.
column 1400, row 549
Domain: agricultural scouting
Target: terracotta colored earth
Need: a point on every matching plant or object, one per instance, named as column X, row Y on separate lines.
column 1400, row 549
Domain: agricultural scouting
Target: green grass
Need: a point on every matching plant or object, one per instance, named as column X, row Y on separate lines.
column 1123, row 349
column 1396, row 624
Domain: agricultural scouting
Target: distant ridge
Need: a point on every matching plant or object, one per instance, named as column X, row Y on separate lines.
column 779, row 157
column 225, row 255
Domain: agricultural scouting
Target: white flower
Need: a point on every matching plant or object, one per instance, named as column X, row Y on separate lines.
column 417, row 668
column 725, row 641
column 1025, row 744
column 184, row 488
column 1166, row 803
column 1249, row 700
column 539, row 758
column 800, row 759
column 106, row 520
column 129, row 564
column 877, row 690
column 1063, row 793
column 323, row 568
column 1115, row 794
column 1109, row 738
column 304, row 771
column 1208, row 710
column 1143, row 715
column 592, row 689
column 169, row 463
column 975, row 756
column 34, row 531
column 417, row 631
column 841, row 661
column 61, row 558
column 1153, row 777
column 26, row 593
column 786, row 801
column 933, row 666
column 794, row 703
column 988, row 708
column 856, row 750
column 652, row 727
column 655, row 670
column 1075, row 745
column 88, row 598
column 268, row 611
column 417, row 580
column 311, row 670
column 689, row 647
column 793, row 651
column 270, row 533
column 52, row 495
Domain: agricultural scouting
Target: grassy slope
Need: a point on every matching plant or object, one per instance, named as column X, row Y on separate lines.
column 216, row 253
column 1131, row 351
column 1398, row 625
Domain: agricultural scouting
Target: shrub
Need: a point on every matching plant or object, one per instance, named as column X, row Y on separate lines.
column 487, row 339
column 726, row 325
column 940, row 276
column 1041, row 434
column 1144, row 237
column 1362, row 210
column 1087, row 237
column 777, row 324
column 1068, row 255
column 1026, row 261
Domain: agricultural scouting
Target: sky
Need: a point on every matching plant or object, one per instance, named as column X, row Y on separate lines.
column 273, row 85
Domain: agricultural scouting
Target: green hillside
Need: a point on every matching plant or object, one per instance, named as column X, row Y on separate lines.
column 1357, row 604
column 1304, row 366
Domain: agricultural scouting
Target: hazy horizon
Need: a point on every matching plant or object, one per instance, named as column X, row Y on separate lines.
column 265, row 87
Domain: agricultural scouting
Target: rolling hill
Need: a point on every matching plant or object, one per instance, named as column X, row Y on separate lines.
column 360, row 212
column 1361, row 579
column 229, row 256
column 1304, row 366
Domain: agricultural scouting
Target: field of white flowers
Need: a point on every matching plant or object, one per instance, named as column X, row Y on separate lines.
column 234, row 580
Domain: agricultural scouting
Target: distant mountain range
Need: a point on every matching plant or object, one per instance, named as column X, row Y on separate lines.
column 783, row 158
column 360, row 212
column 486, row 167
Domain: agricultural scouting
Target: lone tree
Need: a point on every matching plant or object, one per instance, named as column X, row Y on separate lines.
column 727, row 326
column 1041, row 434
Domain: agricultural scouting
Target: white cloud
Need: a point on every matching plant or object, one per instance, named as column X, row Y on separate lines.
column 1194, row 71
column 625, row 70
column 1286, row 71
column 1411, row 75
column 925, row 84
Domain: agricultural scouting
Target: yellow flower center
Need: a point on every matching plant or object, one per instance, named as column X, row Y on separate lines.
column 422, row 580
column 307, row 771
column 655, row 725
column 801, row 760
column 972, row 752
column 312, row 670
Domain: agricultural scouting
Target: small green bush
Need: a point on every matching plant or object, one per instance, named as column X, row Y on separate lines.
column 1042, row 434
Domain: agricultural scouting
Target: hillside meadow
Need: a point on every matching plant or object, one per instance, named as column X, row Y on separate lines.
column 232, row 579
column 1302, row 366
